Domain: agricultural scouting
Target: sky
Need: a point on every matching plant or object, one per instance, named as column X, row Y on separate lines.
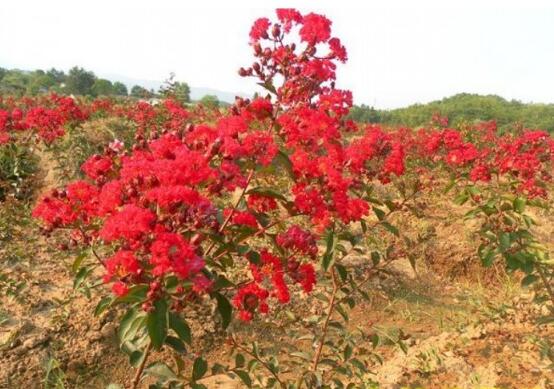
column 400, row 53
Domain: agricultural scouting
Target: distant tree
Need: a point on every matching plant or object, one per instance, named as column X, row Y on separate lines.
column 57, row 75
column 210, row 101
column 175, row 89
column 102, row 87
column 14, row 82
column 365, row 114
column 79, row 81
column 119, row 89
column 39, row 82
column 3, row 73
column 140, row 92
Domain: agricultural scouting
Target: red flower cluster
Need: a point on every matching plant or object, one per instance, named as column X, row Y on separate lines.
column 480, row 152
column 45, row 117
column 298, row 241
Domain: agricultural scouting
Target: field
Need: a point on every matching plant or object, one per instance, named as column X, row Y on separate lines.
column 272, row 243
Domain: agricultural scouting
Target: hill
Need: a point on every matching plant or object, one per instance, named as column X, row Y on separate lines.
column 463, row 107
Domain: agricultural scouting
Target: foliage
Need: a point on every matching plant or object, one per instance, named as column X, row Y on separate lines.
column 461, row 108
column 140, row 92
column 79, row 81
column 210, row 101
column 177, row 90
column 18, row 168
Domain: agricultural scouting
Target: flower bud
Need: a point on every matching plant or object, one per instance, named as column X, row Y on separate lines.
column 276, row 31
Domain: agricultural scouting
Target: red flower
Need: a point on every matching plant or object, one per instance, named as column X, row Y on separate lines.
column 250, row 298
column 288, row 16
column 121, row 264
column 54, row 211
column 480, row 173
column 96, row 166
column 315, row 29
column 172, row 253
column 130, row 223
column 299, row 240
column 261, row 108
column 120, row 289
column 259, row 30
column 242, row 218
column 338, row 50
column 167, row 196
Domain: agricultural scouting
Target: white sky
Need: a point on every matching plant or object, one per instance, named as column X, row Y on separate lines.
column 399, row 52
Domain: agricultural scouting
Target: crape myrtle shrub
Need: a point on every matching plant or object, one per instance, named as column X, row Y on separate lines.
column 24, row 123
column 266, row 202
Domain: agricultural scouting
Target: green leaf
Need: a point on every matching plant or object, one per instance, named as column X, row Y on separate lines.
column 239, row 360
column 199, row 368
column 102, row 305
column 347, row 352
column 126, row 323
column 180, row 327
column 403, row 346
column 391, row 228
column 82, row 274
column 375, row 340
column 487, row 256
column 254, row 257
column 245, row 377
column 176, row 344
column 505, row 241
column 329, row 251
column 282, row 159
column 161, row 371
column 359, row 364
column 528, row 280
column 266, row 192
column 268, row 85
column 379, row 213
column 135, row 358
column 343, row 272
column 375, row 258
column 156, row 323
column 461, row 198
column 136, row 294
column 301, row 355
column 224, row 308
column 77, row 262
column 519, row 204
column 342, row 312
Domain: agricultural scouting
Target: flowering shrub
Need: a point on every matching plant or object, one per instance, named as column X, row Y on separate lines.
column 45, row 117
column 257, row 206
column 501, row 177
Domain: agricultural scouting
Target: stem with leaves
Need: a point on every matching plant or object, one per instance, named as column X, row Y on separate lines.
column 546, row 283
column 237, row 203
column 261, row 361
column 330, row 311
column 138, row 374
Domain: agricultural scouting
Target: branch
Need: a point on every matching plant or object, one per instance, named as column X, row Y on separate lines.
column 262, row 362
column 544, row 280
column 228, row 219
column 330, row 310
column 136, row 379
